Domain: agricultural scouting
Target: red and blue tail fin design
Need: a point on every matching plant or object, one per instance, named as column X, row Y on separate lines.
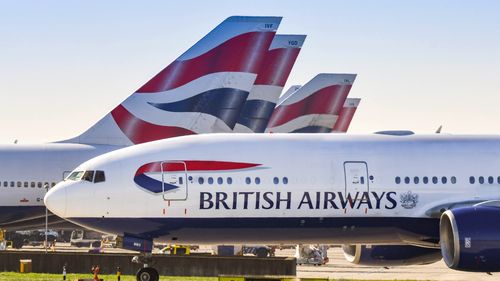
column 346, row 114
column 271, row 79
column 314, row 107
column 202, row 91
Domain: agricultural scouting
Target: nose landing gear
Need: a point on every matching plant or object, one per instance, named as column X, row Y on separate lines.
column 146, row 273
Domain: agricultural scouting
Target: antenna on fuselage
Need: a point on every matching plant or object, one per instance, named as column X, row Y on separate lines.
column 438, row 131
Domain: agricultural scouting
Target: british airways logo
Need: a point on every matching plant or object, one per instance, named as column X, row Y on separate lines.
column 151, row 176
column 300, row 201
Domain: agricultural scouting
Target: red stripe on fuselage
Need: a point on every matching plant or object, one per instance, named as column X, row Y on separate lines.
column 243, row 53
column 194, row 165
column 139, row 131
column 328, row 100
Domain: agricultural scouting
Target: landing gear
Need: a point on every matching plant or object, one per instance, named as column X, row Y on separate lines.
column 146, row 273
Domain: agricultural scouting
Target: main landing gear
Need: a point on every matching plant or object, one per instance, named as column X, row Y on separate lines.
column 146, row 273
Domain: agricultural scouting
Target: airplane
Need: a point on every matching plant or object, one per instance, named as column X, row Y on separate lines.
column 314, row 107
column 345, row 115
column 202, row 91
column 269, row 83
column 411, row 198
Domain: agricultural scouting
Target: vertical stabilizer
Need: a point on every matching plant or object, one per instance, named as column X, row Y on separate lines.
column 346, row 114
column 269, row 83
column 314, row 107
column 202, row 91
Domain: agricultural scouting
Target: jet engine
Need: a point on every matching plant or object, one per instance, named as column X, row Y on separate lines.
column 470, row 237
column 390, row 255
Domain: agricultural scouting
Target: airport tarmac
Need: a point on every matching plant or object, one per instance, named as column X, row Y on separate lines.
column 339, row 268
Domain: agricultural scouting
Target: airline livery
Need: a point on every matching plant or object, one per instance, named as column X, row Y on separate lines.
column 202, row 91
column 313, row 108
column 269, row 84
column 414, row 198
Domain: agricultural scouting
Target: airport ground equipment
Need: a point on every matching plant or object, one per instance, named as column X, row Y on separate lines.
column 311, row 254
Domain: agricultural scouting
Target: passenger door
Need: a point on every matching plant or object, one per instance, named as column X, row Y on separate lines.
column 356, row 176
column 174, row 180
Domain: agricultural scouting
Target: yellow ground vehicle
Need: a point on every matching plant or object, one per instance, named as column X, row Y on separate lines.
column 176, row 250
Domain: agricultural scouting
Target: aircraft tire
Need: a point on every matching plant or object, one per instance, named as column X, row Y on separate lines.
column 147, row 274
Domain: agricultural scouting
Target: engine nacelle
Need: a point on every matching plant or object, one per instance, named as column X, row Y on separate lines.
column 470, row 238
column 390, row 255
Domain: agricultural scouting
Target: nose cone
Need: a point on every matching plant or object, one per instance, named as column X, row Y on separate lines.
column 55, row 200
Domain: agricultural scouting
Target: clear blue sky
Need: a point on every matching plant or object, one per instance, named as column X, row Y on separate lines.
column 420, row 64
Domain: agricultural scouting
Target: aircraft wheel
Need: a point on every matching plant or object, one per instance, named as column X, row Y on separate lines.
column 147, row 274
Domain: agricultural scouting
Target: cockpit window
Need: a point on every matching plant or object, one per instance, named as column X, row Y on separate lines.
column 75, row 176
column 99, row 176
column 90, row 176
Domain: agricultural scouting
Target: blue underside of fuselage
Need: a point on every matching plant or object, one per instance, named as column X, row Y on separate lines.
column 272, row 230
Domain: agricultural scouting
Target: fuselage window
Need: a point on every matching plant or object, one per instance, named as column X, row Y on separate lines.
column 100, row 177
column 425, row 180
column 415, row 180
column 481, row 180
column 229, row 180
column 210, row 180
column 33, row 184
column 19, row 184
column 257, row 180
column 434, row 180
column 453, row 180
column 5, row 184
column 248, row 180
column 362, row 180
column 285, row 180
column 491, row 180
column 181, row 180
column 276, row 180
column 46, row 185
column 498, row 180
column 53, row 184
column 201, row 180
column 12, row 184
column 407, row 180
column 444, row 180
column 472, row 180
column 26, row 184
column 398, row 180
column 220, row 180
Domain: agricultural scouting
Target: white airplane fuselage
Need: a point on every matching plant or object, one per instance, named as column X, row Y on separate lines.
column 283, row 188
column 25, row 171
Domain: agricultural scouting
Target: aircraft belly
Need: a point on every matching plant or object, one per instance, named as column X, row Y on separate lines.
column 271, row 230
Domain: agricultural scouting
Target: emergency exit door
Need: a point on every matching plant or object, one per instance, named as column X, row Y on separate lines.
column 356, row 176
column 174, row 180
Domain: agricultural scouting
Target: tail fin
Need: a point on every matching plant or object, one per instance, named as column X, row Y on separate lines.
column 288, row 93
column 346, row 115
column 202, row 91
column 314, row 107
column 270, row 82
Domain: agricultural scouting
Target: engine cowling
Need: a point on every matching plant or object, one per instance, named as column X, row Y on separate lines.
column 470, row 238
column 390, row 255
